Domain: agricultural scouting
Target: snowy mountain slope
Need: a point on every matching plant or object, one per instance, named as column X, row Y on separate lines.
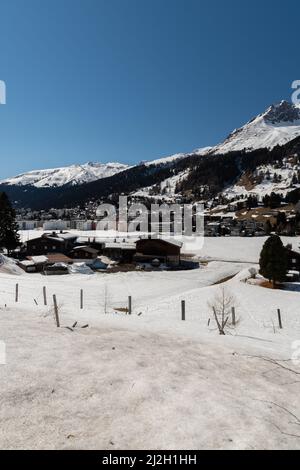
column 177, row 156
column 70, row 175
column 168, row 185
column 279, row 124
column 85, row 173
column 200, row 173
column 164, row 190
column 265, row 180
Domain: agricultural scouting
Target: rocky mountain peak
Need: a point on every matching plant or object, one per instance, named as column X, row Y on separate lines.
column 282, row 112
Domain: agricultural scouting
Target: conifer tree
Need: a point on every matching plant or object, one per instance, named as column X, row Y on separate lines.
column 273, row 260
column 9, row 237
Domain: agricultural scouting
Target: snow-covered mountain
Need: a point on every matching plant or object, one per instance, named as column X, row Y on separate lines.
column 279, row 124
column 70, row 175
column 177, row 156
column 85, row 173
column 199, row 174
column 280, row 178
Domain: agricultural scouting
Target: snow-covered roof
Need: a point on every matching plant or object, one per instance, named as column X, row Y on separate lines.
column 90, row 239
column 67, row 236
column 59, row 264
column 39, row 259
column 58, row 239
column 86, row 248
column 120, row 246
column 165, row 239
column 26, row 262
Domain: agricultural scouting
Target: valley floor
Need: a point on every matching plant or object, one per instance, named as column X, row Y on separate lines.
column 150, row 380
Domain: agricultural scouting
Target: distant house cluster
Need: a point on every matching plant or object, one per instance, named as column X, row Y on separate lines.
column 54, row 252
column 56, row 224
column 232, row 220
column 293, row 264
column 222, row 225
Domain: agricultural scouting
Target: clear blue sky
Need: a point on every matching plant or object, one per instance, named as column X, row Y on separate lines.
column 131, row 80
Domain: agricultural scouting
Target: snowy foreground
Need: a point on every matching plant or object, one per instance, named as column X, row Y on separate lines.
column 150, row 380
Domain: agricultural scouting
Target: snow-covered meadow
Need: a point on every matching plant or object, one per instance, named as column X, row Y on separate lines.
column 150, row 380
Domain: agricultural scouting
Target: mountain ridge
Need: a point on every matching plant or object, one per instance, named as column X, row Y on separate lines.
column 271, row 135
column 69, row 175
column 277, row 125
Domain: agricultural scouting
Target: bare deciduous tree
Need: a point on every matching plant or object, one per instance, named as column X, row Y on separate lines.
column 221, row 306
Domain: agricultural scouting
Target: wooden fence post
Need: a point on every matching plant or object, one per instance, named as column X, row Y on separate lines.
column 183, row 310
column 56, row 311
column 17, row 293
column 279, row 318
column 233, row 316
column 81, row 299
column 129, row 305
column 45, row 295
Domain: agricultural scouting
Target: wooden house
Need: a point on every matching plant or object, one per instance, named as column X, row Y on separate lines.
column 84, row 253
column 41, row 263
column 293, row 260
column 119, row 251
column 50, row 243
column 165, row 250
column 28, row 266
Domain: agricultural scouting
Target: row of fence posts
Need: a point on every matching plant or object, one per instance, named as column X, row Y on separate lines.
column 233, row 315
column 129, row 309
column 56, row 314
column 55, row 305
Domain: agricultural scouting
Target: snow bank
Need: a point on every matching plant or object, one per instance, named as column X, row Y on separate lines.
column 9, row 266
column 80, row 268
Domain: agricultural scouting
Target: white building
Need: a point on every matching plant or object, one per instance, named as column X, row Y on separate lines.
column 27, row 224
column 55, row 225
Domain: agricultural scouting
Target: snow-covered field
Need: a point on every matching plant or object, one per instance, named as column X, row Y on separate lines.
column 150, row 380
column 234, row 249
